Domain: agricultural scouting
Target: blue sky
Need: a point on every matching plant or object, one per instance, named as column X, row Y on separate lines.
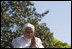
column 58, row 19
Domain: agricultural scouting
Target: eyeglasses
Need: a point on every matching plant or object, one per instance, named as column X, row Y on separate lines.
column 28, row 31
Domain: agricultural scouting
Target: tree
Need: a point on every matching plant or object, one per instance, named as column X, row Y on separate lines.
column 17, row 13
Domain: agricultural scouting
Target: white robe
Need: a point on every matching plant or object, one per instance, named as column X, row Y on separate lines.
column 21, row 42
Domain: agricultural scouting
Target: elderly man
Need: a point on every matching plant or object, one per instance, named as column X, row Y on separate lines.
column 28, row 40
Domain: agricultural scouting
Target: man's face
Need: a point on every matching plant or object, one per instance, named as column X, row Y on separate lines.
column 28, row 32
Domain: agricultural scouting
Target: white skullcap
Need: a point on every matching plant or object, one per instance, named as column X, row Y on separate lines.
column 29, row 25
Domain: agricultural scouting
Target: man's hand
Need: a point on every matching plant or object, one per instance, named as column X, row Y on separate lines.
column 33, row 43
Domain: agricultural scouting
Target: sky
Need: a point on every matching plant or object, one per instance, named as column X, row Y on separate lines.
column 58, row 19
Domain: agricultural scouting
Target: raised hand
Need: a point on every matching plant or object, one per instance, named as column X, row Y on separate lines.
column 33, row 42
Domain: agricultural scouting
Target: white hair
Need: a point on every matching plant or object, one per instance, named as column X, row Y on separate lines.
column 29, row 25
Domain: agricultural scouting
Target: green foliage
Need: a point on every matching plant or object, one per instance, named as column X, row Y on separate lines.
column 20, row 13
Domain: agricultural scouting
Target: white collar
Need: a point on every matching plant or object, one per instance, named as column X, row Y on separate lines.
column 28, row 40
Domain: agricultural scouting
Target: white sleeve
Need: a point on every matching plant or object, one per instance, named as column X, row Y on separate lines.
column 15, row 44
column 39, row 43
